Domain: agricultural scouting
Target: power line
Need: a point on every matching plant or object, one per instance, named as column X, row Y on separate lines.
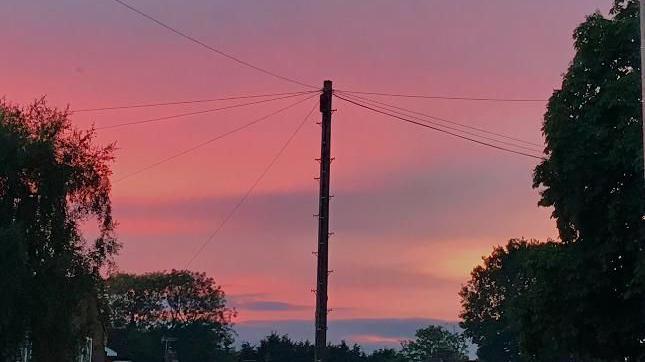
column 440, row 130
column 179, row 115
column 212, row 49
column 250, row 190
column 370, row 100
column 480, row 99
column 211, row 140
column 192, row 101
column 389, row 107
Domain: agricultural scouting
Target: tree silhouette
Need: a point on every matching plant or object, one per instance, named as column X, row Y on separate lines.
column 52, row 178
column 181, row 304
column 435, row 344
column 496, row 301
column 593, row 179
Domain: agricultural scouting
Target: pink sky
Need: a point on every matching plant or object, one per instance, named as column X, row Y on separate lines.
column 414, row 210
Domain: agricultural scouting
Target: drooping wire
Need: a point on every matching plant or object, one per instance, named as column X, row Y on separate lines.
column 448, row 98
column 406, row 113
column 210, row 140
column 212, row 49
column 251, row 189
column 211, row 110
column 438, row 129
column 192, row 101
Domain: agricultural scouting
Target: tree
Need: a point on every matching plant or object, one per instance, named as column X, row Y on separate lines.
column 182, row 304
column 435, row 343
column 593, row 178
column 275, row 348
column 385, row 355
column 247, row 353
column 344, row 353
column 52, row 178
column 501, row 300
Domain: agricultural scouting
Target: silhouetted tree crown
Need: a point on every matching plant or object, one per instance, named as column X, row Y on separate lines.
column 581, row 299
column 496, row 301
column 593, row 179
column 181, row 304
column 275, row 347
column 435, row 343
column 52, row 178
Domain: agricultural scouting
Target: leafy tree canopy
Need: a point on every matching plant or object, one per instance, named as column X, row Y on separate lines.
column 181, row 304
column 593, row 178
column 385, row 355
column 276, row 347
column 435, row 343
column 52, row 178
column 498, row 302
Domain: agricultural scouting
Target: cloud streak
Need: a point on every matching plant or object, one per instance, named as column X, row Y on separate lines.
column 259, row 303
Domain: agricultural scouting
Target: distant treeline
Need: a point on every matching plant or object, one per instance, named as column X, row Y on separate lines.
column 190, row 310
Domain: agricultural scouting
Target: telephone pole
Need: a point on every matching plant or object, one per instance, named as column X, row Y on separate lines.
column 323, row 225
column 642, row 13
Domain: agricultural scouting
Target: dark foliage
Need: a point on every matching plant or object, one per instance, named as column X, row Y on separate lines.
column 52, row 179
column 385, row 355
column 185, row 305
column 435, row 343
column 581, row 299
column 498, row 302
column 431, row 344
column 593, row 179
column 281, row 348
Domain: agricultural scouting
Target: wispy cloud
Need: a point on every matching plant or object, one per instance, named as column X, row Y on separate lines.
column 261, row 302
column 370, row 339
column 271, row 306
column 419, row 203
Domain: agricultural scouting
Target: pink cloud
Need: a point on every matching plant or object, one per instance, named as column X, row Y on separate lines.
column 374, row 339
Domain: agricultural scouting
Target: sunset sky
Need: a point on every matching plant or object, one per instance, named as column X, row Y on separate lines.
column 414, row 210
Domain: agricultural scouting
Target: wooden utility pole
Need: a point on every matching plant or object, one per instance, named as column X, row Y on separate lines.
column 642, row 11
column 323, row 225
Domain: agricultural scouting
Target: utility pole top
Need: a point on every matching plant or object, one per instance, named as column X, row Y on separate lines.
column 325, row 98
